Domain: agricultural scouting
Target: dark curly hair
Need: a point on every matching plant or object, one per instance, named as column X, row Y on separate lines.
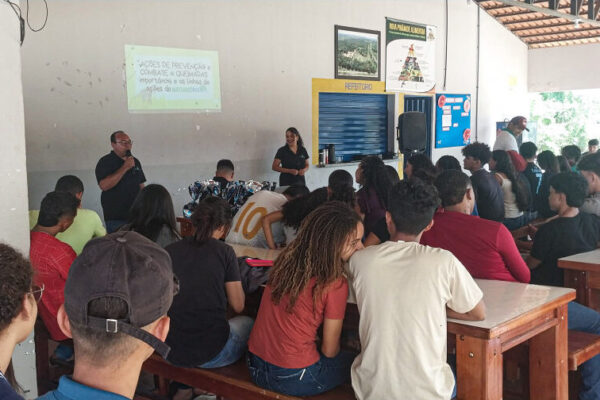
column 572, row 153
column 591, row 163
column 505, row 165
column 393, row 174
column 452, row 186
column 420, row 161
column 548, row 162
column 412, row 204
column 447, row 162
column 210, row 214
column 340, row 178
column 295, row 210
column 56, row 205
column 16, row 277
column 528, row 150
column 573, row 185
column 479, row 151
column 344, row 194
column 375, row 177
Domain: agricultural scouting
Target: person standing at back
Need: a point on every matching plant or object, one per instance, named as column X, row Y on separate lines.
column 120, row 177
column 291, row 160
column 507, row 138
column 488, row 192
column 86, row 225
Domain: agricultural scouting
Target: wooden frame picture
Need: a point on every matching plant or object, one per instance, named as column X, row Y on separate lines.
column 357, row 53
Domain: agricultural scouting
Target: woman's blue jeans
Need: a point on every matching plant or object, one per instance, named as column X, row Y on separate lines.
column 324, row 375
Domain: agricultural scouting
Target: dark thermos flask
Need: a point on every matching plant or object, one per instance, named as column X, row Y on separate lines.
column 331, row 151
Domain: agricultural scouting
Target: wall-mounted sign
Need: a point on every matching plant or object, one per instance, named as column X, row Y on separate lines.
column 410, row 56
column 452, row 120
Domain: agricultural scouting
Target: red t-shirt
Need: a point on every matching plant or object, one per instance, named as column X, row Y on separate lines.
column 288, row 339
column 486, row 248
column 51, row 260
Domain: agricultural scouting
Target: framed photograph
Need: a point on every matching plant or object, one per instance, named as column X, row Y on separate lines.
column 357, row 54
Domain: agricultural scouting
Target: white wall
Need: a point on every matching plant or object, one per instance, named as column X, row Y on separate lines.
column 564, row 68
column 13, row 174
column 268, row 50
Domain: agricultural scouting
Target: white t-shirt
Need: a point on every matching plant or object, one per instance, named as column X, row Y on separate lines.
column 506, row 141
column 402, row 289
column 246, row 227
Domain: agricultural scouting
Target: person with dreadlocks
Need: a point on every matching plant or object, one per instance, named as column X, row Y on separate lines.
column 372, row 196
column 306, row 289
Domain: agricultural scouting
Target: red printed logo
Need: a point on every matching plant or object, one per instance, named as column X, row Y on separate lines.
column 441, row 101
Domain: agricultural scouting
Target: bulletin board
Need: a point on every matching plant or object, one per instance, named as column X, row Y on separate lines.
column 452, row 120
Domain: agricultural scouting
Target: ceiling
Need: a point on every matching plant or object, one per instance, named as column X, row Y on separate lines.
column 548, row 23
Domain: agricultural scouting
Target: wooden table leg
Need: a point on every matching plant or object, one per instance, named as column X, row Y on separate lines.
column 548, row 369
column 478, row 368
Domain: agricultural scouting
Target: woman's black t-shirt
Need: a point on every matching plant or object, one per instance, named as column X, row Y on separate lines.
column 291, row 160
column 199, row 327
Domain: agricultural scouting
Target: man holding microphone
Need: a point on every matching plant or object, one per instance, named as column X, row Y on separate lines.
column 120, row 177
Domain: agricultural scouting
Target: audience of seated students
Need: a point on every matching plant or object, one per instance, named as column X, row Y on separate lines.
column 571, row 233
column 153, row 216
column 87, row 223
column 224, row 173
column 293, row 212
column 306, row 289
column 51, row 259
column 514, row 191
column 201, row 336
column 405, row 292
column 18, row 311
column 572, row 153
column 246, row 228
column 447, row 162
column 486, row 248
column 592, row 147
column 114, row 335
column 589, row 167
column 488, row 192
column 533, row 174
column 563, row 164
column 375, row 185
column 549, row 164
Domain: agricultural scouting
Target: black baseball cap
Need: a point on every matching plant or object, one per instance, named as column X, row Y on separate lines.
column 128, row 266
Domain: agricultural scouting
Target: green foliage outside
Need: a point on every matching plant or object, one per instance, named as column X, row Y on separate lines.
column 357, row 54
column 564, row 118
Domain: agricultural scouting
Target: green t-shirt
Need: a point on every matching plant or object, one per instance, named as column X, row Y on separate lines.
column 87, row 225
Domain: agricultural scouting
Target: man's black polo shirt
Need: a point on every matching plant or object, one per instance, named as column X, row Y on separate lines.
column 117, row 201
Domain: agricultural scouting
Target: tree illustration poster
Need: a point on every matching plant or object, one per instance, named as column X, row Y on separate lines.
column 410, row 56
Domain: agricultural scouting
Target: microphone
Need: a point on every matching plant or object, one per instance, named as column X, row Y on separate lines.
column 128, row 154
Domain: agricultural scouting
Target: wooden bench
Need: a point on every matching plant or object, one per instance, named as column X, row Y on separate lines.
column 231, row 382
column 582, row 347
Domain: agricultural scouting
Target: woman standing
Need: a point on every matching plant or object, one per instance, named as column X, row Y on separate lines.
column 306, row 288
column 291, row 160
column 515, row 192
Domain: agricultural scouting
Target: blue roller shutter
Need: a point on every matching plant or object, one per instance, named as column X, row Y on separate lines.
column 355, row 123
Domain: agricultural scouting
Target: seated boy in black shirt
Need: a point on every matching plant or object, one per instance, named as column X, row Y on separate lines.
column 571, row 233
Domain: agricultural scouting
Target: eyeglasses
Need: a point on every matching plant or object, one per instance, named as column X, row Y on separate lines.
column 125, row 142
column 37, row 291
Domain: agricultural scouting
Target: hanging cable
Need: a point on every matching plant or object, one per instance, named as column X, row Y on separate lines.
column 446, row 49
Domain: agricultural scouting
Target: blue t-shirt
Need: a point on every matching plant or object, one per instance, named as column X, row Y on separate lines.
column 68, row 389
column 6, row 391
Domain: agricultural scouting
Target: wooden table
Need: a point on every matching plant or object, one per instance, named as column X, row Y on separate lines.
column 254, row 252
column 582, row 273
column 516, row 312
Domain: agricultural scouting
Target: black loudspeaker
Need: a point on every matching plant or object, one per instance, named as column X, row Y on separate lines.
column 412, row 132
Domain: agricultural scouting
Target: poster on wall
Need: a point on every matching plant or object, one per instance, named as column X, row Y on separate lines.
column 357, row 53
column 452, row 120
column 161, row 79
column 410, row 56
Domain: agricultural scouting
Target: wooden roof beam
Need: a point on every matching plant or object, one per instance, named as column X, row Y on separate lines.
column 561, row 40
column 549, row 12
column 516, row 30
column 508, row 24
column 542, row 34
